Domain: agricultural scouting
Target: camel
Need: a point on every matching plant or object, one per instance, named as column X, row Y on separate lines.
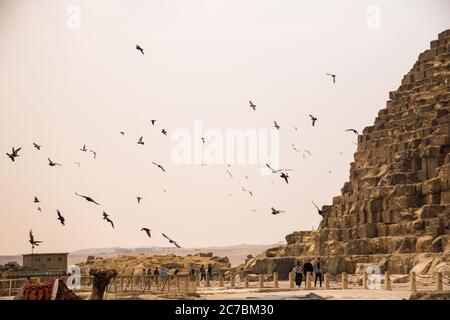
column 101, row 281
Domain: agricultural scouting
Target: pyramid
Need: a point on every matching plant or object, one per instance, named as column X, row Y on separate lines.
column 394, row 210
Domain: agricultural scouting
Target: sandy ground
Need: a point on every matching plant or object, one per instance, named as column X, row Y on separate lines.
column 334, row 294
column 399, row 291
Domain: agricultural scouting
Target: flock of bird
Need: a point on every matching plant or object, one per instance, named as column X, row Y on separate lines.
column 105, row 216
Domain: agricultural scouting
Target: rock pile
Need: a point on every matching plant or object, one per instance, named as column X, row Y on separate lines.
column 136, row 264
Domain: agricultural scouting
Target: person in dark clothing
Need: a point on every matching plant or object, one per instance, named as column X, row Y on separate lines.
column 209, row 270
column 318, row 271
column 307, row 267
column 156, row 272
column 192, row 272
column 298, row 269
column 202, row 273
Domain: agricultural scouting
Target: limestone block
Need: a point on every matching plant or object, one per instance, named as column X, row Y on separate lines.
column 402, row 244
column 445, row 197
column 431, row 186
column 367, row 231
column 423, row 244
column 428, row 211
column 402, row 202
column 436, row 245
column 433, row 198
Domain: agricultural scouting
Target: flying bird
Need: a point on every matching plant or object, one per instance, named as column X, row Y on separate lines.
column 276, row 171
column 333, row 76
column 285, row 176
column 140, row 49
column 147, row 231
column 141, row 141
column 32, row 241
column 36, row 200
column 353, row 130
column 275, row 124
column 52, row 164
column 249, row 192
column 106, row 217
column 229, row 173
column 84, row 149
column 61, row 218
column 171, row 241
column 38, row 147
column 275, row 211
column 14, row 154
column 139, row 199
column 153, row 122
column 88, row 199
column 78, row 164
column 308, row 152
column 122, row 133
column 159, row 166
column 318, row 210
column 203, row 140
column 252, row 105
column 313, row 119
column 295, row 149
column 39, row 209
column 94, row 153
column 164, row 132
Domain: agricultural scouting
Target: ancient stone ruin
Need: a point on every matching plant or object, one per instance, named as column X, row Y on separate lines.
column 395, row 209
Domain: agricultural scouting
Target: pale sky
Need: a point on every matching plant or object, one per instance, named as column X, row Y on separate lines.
column 204, row 59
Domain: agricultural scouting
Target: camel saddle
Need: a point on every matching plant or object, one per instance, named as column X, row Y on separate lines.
column 54, row 289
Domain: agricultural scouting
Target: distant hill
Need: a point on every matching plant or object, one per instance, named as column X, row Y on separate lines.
column 6, row 259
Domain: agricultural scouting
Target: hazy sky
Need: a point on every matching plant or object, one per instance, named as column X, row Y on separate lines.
column 204, row 59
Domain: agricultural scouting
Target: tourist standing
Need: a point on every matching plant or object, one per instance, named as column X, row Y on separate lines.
column 298, row 269
column 318, row 271
column 156, row 272
column 210, row 271
column 202, row 273
column 307, row 267
column 192, row 271
column 164, row 274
